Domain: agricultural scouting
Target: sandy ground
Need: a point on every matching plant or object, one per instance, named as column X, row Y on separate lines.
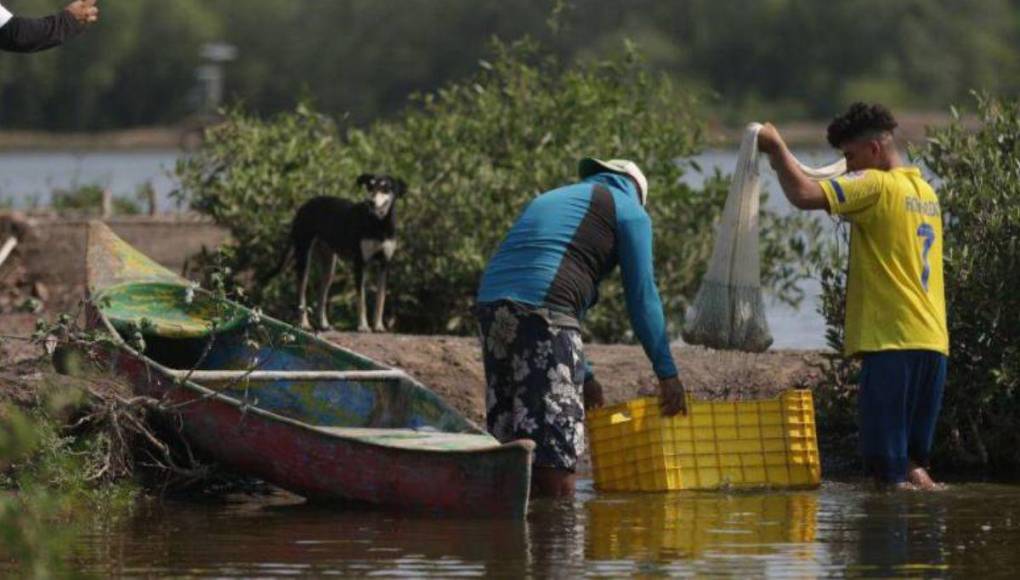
column 452, row 365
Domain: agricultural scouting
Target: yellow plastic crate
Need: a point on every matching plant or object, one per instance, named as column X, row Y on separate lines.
column 719, row 444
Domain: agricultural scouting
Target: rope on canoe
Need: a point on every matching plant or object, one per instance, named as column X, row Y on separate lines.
column 200, row 376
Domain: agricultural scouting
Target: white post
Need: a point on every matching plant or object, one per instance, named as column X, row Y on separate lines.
column 7, row 248
column 150, row 194
column 107, row 204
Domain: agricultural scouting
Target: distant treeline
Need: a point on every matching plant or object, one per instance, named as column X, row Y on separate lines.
column 361, row 58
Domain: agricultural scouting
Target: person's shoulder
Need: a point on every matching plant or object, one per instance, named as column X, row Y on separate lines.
column 907, row 180
column 913, row 174
column 629, row 210
column 864, row 176
column 570, row 189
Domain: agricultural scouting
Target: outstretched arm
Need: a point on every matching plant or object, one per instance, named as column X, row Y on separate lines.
column 643, row 303
column 19, row 34
column 645, row 307
column 803, row 192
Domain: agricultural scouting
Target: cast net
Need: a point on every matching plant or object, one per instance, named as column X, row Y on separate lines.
column 729, row 311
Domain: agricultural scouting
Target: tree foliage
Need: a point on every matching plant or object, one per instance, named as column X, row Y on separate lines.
column 362, row 57
column 980, row 196
column 474, row 153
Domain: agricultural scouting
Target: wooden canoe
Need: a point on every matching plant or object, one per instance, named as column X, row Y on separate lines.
column 267, row 399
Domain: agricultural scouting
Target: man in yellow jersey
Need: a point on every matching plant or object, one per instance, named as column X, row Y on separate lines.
column 895, row 304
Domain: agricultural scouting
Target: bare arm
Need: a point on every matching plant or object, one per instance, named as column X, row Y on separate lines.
column 803, row 192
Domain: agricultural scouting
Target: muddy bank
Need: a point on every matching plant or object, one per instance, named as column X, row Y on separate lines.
column 452, row 365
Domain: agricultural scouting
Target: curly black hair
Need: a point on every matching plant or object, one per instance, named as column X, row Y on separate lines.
column 860, row 118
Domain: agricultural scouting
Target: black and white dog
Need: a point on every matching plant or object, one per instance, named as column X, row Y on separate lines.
column 361, row 233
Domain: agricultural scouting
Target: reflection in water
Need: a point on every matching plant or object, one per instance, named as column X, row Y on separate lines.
column 672, row 526
column 287, row 537
column 749, row 534
column 839, row 530
column 905, row 535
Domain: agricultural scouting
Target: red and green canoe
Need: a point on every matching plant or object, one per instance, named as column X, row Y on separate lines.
column 267, row 399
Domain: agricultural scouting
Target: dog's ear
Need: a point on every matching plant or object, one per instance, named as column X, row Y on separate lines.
column 399, row 187
column 364, row 179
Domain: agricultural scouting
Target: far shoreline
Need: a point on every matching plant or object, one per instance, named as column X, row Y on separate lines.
column 798, row 133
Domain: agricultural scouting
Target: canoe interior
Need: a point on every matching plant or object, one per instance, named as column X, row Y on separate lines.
column 183, row 336
column 169, row 309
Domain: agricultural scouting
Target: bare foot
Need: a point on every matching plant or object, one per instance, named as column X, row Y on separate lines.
column 900, row 486
column 919, row 477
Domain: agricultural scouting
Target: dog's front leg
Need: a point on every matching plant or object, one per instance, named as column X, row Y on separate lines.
column 359, row 276
column 327, row 282
column 305, row 263
column 380, row 297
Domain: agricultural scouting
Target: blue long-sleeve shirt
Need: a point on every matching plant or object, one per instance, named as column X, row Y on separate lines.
column 566, row 241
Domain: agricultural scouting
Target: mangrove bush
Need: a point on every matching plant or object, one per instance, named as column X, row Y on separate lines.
column 979, row 172
column 474, row 153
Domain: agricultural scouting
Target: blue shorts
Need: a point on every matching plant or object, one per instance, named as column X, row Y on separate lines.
column 898, row 405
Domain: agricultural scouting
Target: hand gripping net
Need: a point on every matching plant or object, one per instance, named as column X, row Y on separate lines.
column 728, row 312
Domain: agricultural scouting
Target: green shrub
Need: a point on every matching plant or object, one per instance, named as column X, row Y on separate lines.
column 979, row 190
column 46, row 492
column 980, row 195
column 88, row 199
column 835, row 394
column 474, row 153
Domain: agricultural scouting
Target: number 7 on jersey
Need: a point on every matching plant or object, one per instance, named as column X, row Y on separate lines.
column 927, row 233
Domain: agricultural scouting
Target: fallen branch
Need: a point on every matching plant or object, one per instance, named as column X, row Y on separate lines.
column 124, row 421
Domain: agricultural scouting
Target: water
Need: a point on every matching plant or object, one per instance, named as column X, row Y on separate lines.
column 840, row 530
column 28, row 178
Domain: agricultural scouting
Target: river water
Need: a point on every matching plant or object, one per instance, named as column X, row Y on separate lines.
column 842, row 529
column 27, row 179
column 839, row 530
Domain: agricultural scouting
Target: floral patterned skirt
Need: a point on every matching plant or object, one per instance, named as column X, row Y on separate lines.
column 534, row 372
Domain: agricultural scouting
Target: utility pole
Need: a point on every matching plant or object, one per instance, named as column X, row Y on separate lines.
column 211, row 75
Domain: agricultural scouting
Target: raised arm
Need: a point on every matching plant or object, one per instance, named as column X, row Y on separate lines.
column 803, row 192
column 20, row 34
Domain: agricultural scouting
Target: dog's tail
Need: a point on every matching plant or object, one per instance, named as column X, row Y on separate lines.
column 284, row 259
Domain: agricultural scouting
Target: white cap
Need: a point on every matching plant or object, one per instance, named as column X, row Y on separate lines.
column 591, row 166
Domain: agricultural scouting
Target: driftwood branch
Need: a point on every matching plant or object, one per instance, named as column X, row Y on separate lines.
column 125, row 423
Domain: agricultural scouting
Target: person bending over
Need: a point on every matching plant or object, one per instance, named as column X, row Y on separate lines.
column 533, row 296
